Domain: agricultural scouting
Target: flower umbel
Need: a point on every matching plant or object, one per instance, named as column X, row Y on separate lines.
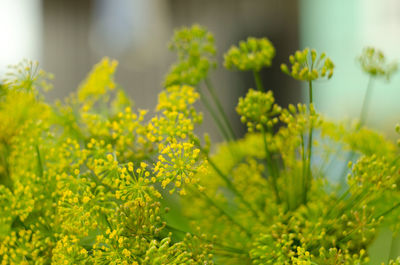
column 258, row 110
column 178, row 163
column 196, row 56
column 308, row 66
column 374, row 63
column 251, row 55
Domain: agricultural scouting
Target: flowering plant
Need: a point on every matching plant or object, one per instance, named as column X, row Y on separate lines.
column 94, row 180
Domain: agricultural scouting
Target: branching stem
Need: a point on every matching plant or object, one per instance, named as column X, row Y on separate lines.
column 366, row 102
column 221, row 127
column 217, row 102
column 272, row 170
column 257, row 78
column 229, row 183
column 309, row 176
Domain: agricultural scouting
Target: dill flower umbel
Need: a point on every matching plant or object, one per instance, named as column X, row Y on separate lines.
column 250, row 55
column 306, row 65
column 179, row 99
column 99, row 81
column 196, row 56
column 258, row 110
column 374, row 63
column 177, row 163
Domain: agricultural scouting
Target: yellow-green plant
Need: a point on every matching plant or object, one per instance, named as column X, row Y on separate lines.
column 94, row 180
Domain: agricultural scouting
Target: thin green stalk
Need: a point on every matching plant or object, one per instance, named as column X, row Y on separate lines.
column 391, row 249
column 394, row 247
column 224, row 212
column 363, row 119
column 395, row 160
column 215, row 117
column 327, row 160
column 228, row 182
column 304, row 165
column 257, row 78
column 366, row 102
column 271, row 168
column 270, row 162
column 5, row 177
column 341, row 198
column 274, row 162
column 227, row 248
column 310, row 91
column 394, row 207
column 350, row 157
column 354, row 202
column 309, row 146
column 39, row 162
column 217, row 102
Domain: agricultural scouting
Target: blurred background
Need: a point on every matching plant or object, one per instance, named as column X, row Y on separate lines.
column 68, row 36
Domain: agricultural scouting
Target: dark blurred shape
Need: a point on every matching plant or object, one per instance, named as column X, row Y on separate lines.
column 77, row 33
column 65, row 42
column 235, row 20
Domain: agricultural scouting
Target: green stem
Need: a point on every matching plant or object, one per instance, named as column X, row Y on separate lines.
column 366, row 102
column 214, row 115
column 363, row 118
column 341, row 198
column 224, row 212
column 394, row 248
column 309, row 146
column 39, row 162
column 343, row 174
column 257, row 78
column 227, row 248
column 394, row 207
column 217, row 102
column 5, row 178
column 228, row 182
column 271, row 168
column 304, row 166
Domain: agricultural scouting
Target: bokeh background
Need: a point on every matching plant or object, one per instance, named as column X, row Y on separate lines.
column 68, row 36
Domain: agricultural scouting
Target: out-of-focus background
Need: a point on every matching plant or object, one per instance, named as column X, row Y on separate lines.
column 68, row 36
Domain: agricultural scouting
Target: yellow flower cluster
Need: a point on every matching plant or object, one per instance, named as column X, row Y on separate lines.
column 83, row 181
column 78, row 182
column 24, row 246
column 133, row 183
column 99, row 81
column 26, row 77
column 196, row 55
column 169, row 126
column 258, row 110
column 178, row 99
column 251, row 55
column 308, row 66
column 178, row 163
column 68, row 251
